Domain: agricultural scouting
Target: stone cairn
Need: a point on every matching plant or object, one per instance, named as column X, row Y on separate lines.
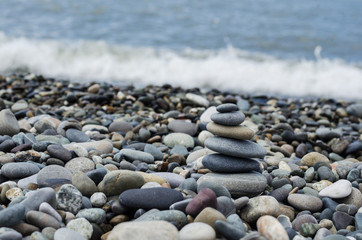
column 233, row 162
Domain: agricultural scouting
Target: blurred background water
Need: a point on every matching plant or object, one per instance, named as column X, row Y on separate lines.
column 295, row 48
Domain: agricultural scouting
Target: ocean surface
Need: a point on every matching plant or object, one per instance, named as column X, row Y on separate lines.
column 275, row 47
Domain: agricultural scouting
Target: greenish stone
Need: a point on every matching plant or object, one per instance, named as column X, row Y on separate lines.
column 309, row 229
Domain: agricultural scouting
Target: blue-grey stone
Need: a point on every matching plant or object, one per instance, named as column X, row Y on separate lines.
column 11, row 216
column 97, row 175
column 354, row 147
column 228, row 119
column 189, row 184
column 148, row 198
column 329, row 203
column 93, row 215
column 154, row 151
column 66, row 234
column 59, row 152
column 9, row 234
column 358, row 221
column 19, row 170
column 182, row 126
column 229, row 231
column 35, row 198
column 355, row 109
column 327, row 134
column 243, row 105
column 74, row 135
column 179, row 149
column 341, row 220
column 133, row 155
column 225, row 205
column 353, row 174
column 235, row 148
column 227, row 164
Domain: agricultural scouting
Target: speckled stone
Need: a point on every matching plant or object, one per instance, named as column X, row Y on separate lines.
column 69, row 199
column 259, row 206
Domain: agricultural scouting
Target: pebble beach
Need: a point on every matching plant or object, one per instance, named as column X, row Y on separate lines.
column 95, row 160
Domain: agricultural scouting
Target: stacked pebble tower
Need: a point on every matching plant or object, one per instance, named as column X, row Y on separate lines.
column 232, row 144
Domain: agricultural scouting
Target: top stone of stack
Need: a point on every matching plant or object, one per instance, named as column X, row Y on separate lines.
column 226, row 123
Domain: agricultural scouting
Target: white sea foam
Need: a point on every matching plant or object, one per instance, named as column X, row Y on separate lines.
column 226, row 69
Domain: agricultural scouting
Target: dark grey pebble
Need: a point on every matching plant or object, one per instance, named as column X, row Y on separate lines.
column 341, row 220
column 280, row 194
column 59, row 152
column 228, row 119
column 74, row 135
column 325, row 173
column 353, row 174
column 350, row 209
column 354, row 147
column 181, row 205
column 229, row 231
column 225, row 205
column 160, row 198
column 329, row 203
column 127, row 165
column 227, row 107
column 154, row 151
column 227, row 164
column 327, row 213
column 7, row 145
column 235, row 148
column 358, row 221
column 97, row 175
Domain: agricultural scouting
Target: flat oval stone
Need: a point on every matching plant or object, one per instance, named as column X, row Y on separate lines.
column 35, row 198
column 53, row 174
column 340, row 189
column 160, row 230
column 75, row 135
column 59, row 152
column 19, row 170
column 120, row 126
column 174, row 139
column 183, row 127
column 227, row 107
column 311, row 158
column 236, row 132
column 66, row 233
column 42, row 220
column 116, row 182
column 196, row 231
column 305, row 202
column 226, row 164
column 238, row 184
column 133, row 155
column 197, row 99
column 271, row 228
column 160, row 198
column 93, row 215
column 102, row 146
column 259, row 206
column 228, row 119
column 235, row 148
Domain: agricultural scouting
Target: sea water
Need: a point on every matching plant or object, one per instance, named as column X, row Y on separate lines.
column 285, row 47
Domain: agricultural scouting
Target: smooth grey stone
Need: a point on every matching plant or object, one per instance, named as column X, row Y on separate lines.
column 216, row 187
column 326, row 134
column 11, row 216
column 227, row 107
column 229, row 118
column 75, row 135
column 347, row 208
column 144, row 134
column 238, row 184
column 226, row 164
column 154, row 151
column 235, row 148
column 7, row 145
column 143, row 167
column 86, row 203
column 225, row 205
column 285, row 221
column 280, row 194
column 236, row 221
column 35, row 198
column 229, row 231
column 189, row 184
column 354, row 147
column 355, row 109
column 9, row 234
column 133, row 155
column 160, row 198
column 125, row 165
column 358, row 221
column 243, row 105
column 325, row 173
column 173, row 216
column 329, row 203
column 179, row 149
column 66, row 234
column 19, row 170
column 181, row 205
column 93, row 215
column 59, row 152
column 335, row 237
column 353, row 174
column 8, row 123
column 326, row 214
column 301, row 219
